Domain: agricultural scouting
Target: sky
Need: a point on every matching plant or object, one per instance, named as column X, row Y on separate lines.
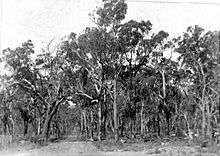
column 44, row 20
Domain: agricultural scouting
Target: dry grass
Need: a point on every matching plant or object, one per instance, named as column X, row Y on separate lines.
column 161, row 147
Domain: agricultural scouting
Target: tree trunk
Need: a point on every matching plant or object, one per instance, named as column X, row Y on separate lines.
column 115, row 111
column 5, row 128
column 47, row 123
column 38, row 126
column 158, row 125
column 46, row 127
column 103, row 129
column 131, row 127
column 209, row 129
column 142, row 118
column 203, row 103
column 85, row 122
column 203, row 120
column 25, row 127
column 164, row 84
column 188, row 128
column 81, row 124
column 164, row 97
column 100, row 120
column 91, row 124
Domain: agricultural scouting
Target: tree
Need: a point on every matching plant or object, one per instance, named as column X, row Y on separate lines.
column 198, row 55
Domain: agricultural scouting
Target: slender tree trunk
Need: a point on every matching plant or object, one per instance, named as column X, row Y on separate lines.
column 100, row 120
column 142, row 118
column 209, row 129
column 91, row 127
column 164, row 97
column 164, row 84
column 111, row 123
column 203, row 103
column 158, row 125
column 25, row 127
column 188, row 127
column 5, row 128
column 131, row 127
column 203, row 120
column 85, row 122
column 38, row 126
column 104, row 125
column 81, row 123
column 115, row 111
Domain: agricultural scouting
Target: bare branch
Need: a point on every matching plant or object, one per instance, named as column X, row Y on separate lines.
column 84, row 94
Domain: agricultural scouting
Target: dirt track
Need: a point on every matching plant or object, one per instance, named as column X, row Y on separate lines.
column 66, row 148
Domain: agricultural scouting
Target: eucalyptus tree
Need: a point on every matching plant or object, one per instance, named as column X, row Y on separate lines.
column 19, row 63
column 96, row 52
column 40, row 83
column 198, row 55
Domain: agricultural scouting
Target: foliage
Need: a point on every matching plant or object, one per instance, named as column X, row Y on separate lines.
column 114, row 79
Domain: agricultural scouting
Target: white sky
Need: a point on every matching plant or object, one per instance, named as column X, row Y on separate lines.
column 43, row 20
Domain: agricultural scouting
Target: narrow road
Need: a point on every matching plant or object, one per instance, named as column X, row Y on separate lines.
column 69, row 149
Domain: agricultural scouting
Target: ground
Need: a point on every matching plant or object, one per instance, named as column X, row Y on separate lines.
column 71, row 147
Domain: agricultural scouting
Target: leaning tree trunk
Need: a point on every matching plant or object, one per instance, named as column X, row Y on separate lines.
column 49, row 116
column 115, row 111
column 46, row 127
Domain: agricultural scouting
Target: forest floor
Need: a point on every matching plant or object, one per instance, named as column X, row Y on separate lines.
column 71, row 147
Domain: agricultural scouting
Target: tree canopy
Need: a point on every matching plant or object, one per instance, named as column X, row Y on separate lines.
column 114, row 79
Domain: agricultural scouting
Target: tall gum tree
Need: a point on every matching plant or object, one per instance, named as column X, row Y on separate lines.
column 198, row 54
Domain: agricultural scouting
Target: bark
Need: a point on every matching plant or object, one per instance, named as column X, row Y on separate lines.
column 7, row 124
column 164, row 103
column 111, row 123
column 131, row 127
column 25, row 127
column 203, row 103
column 91, row 126
column 49, row 116
column 26, row 118
column 188, row 128
column 115, row 112
column 85, row 122
column 142, row 118
column 209, row 130
column 103, row 129
column 46, row 126
column 158, row 125
column 81, row 124
column 100, row 120
column 164, row 84
column 104, row 116
column 5, row 128
column 203, row 115
column 38, row 126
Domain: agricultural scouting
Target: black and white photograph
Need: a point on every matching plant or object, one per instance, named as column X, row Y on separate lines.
column 109, row 78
